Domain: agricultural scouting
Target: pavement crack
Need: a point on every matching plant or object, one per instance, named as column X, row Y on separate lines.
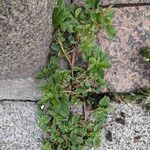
column 17, row 100
column 126, row 5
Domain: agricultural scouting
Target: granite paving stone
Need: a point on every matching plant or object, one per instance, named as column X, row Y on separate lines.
column 127, row 128
column 112, row 2
column 25, row 35
column 19, row 128
column 19, row 89
column 128, row 71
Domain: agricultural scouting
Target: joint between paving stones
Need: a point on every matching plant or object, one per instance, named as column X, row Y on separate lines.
column 18, row 100
column 126, row 5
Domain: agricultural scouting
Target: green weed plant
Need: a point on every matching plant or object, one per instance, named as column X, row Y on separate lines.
column 75, row 72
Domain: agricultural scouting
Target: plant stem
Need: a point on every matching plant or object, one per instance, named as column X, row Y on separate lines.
column 85, row 112
column 64, row 52
column 71, row 92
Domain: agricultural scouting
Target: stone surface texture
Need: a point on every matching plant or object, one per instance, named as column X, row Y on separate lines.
column 112, row 2
column 25, row 34
column 128, row 72
column 19, row 89
column 134, row 134
column 19, row 128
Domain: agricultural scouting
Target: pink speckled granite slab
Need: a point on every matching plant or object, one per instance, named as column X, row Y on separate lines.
column 133, row 32
column 111, row 2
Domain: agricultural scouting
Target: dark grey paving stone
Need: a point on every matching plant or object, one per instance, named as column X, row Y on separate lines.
column 20, row 89
column 25, row 33
column 19, row 128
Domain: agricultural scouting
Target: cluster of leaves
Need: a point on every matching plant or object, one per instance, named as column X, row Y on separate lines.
column 75, row 71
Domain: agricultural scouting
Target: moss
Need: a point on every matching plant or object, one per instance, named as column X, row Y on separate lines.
column 145, row 52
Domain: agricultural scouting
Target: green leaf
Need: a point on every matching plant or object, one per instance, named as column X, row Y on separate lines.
column 95, row 17
column 45, row 99
column 107, row 20
column 73, row 7
column 77, row 12
column 100, row 116
column 92, row 3
column 60, row 13
column 87, row 84
column 110, row 30
column 110, row 109
column 60, row 140
column 71, row 39
column 104, row 65
column 75, row 119
column 96, row 139
column 46, row 146
column 73, row 136
column 104, row 102
column 89, row 142
column 55, row 47
column 80, row 147
column 43, row 122
column 110, row 14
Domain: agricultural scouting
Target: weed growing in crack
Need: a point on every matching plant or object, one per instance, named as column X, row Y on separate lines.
column 145, row 52
column 81, row 75
column 140, row 96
